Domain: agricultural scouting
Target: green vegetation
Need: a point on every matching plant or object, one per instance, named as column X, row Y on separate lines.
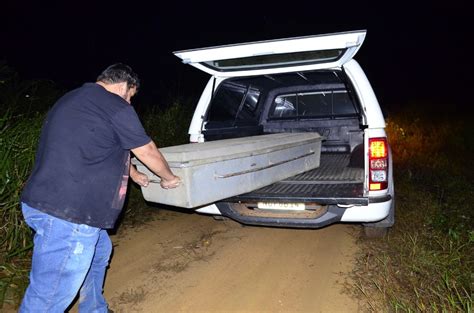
column 22, row 107
column 169, row 127
column 18, row 138
column 426, row 262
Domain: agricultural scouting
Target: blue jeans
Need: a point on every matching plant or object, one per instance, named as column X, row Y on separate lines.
column 67, row 258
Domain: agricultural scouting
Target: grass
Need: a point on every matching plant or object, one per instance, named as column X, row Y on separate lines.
column 19, row 133
column 426, row 262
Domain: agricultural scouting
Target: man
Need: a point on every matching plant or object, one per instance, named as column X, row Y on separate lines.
column 77, row 188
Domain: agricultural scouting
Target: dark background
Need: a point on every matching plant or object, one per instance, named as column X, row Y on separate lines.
column 415, row 53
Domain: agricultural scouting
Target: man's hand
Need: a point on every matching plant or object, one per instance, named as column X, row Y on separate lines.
column 172, row 183
column 138, row 177
column 141, row 179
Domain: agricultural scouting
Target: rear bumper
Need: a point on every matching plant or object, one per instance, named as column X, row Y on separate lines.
column 376, row 210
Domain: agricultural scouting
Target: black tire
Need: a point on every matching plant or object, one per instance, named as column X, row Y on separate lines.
column 375, row 232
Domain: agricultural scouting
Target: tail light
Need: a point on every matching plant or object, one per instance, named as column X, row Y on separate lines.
column 378, row 163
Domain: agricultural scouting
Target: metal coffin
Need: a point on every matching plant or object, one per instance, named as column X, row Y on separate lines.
column 215, row 170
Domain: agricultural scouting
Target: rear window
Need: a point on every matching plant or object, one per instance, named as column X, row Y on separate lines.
column 235, row 104
column 315, row 104
column 276, row 60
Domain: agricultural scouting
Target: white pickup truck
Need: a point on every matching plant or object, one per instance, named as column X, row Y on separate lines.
column 303, row 84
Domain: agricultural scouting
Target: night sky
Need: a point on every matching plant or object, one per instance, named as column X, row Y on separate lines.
column 414, row 54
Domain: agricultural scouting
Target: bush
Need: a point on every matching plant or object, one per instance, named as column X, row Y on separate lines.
column 169, row 127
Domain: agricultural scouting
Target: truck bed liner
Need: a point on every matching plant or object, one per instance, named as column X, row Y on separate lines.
column 332, row 183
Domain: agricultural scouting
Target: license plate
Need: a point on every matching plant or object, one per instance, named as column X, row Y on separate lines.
column 281, row 206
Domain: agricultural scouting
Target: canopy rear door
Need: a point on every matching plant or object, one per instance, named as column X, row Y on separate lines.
column 276, row 56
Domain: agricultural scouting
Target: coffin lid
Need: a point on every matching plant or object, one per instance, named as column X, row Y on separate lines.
column 193, row 154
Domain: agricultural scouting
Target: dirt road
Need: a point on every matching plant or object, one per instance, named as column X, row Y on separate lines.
column 192, row 263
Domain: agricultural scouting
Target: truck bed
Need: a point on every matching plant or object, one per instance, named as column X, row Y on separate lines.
column 333, row 182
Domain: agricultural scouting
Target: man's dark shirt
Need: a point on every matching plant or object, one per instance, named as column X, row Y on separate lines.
column 82, row 162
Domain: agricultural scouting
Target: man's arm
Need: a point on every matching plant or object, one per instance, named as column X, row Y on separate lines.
column 150, row 156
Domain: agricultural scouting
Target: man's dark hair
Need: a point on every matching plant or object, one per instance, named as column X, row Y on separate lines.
column 119, row 73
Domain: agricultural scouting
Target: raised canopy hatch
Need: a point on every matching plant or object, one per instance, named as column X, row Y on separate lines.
column 276, row 56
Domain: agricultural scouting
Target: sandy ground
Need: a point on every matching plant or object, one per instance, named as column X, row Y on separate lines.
column 192, row 263
column 184, row 262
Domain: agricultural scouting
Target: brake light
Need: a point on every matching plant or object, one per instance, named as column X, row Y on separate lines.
column 378, row 163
